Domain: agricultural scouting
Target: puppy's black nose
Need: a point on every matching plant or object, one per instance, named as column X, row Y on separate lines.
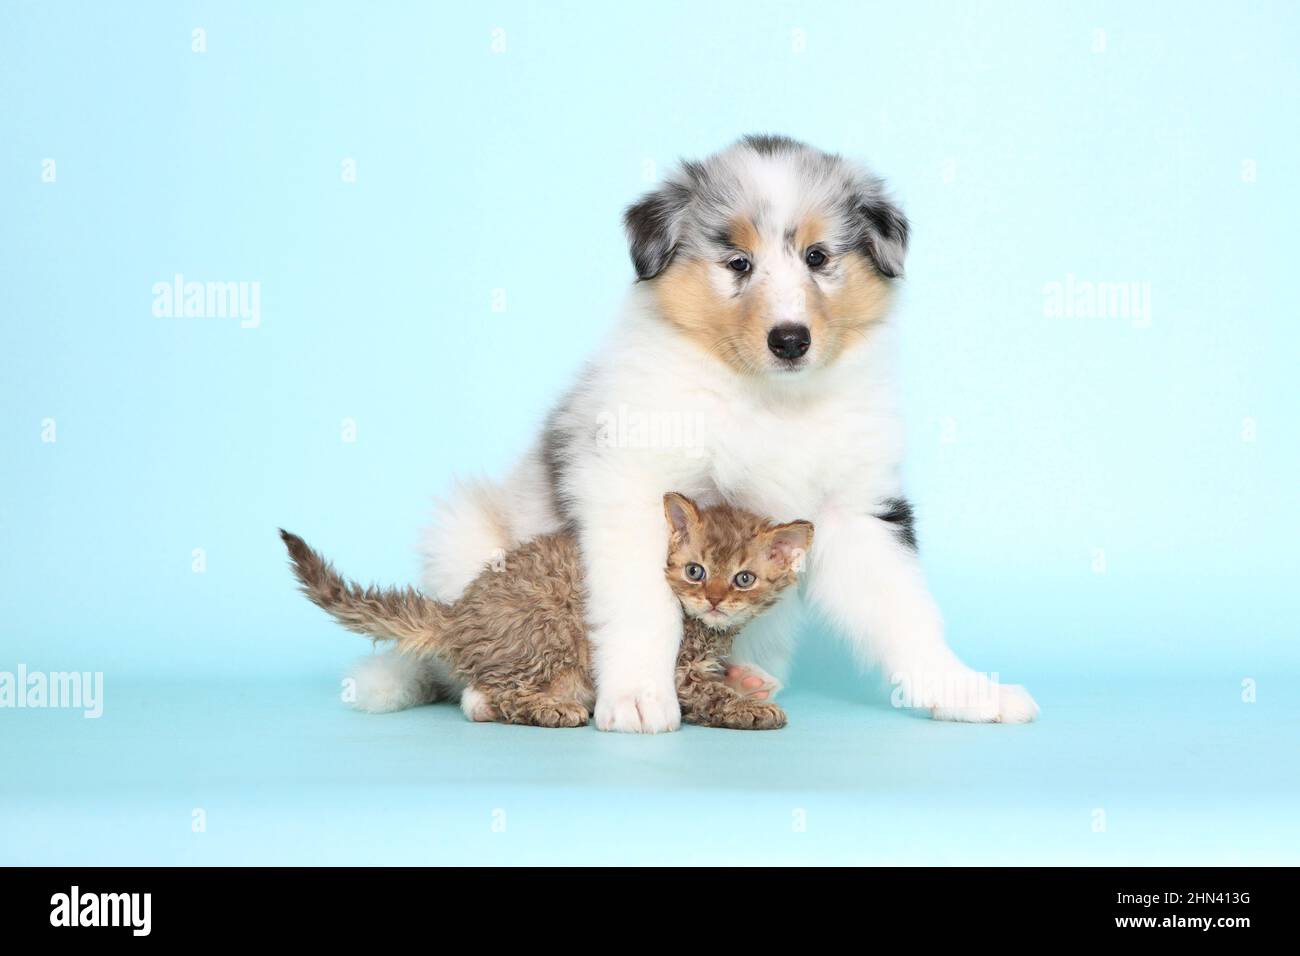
column 789, row 341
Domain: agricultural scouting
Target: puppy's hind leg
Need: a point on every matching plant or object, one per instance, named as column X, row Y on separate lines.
column 478, row 706
column 475, row 525
column 469, row 532
column 381, row 683
column 760, row 658
column 472, row 528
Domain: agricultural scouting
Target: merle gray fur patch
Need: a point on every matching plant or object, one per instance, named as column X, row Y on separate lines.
column 691, row 213
column 898, row 512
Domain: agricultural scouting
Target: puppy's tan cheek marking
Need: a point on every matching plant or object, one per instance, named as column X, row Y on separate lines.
column 687, row 299
column 718, row 325
column 817, row 316
column 861, row 300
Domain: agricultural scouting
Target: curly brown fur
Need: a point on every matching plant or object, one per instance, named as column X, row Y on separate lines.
column 518, row 635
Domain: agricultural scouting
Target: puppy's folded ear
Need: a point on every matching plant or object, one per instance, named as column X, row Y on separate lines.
column 883, row 229
column 654, row 228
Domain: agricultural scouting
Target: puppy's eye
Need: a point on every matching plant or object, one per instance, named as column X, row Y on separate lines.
column 739, row 264
column 694, row 572
column 815, row 258
column 744, row 579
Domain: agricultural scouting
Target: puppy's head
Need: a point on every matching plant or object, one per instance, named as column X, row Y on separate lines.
column 772, row 255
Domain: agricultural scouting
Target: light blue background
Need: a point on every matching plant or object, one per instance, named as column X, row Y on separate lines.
column 1020, row 153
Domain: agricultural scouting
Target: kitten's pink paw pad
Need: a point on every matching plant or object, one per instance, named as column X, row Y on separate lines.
column 752, row 681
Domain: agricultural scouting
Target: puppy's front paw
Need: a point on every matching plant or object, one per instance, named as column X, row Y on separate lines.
column 648, row 710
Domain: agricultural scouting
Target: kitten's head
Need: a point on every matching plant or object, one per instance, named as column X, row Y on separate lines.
column 727, row 566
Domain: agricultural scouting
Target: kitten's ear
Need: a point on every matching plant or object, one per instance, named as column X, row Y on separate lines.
column 681, row 513
column 788, row 544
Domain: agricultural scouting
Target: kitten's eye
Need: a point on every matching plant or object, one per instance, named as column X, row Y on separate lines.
column 739, row 264
column 694, row 572
column 744, row 579
column 815, row 258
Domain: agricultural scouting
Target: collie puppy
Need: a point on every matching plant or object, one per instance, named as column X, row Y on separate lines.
column 751, row 365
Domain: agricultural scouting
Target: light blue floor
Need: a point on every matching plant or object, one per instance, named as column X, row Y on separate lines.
column 1183, row 771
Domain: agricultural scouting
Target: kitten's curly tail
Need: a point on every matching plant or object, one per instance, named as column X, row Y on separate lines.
column 416, row 622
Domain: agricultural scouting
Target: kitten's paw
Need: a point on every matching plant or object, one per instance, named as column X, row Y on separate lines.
column 647, row 711
column 559, row 714
column 750, row 680
column 1001, row 704
column 747, row 714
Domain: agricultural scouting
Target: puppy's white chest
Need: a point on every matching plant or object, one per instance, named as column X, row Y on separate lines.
column 780, row 461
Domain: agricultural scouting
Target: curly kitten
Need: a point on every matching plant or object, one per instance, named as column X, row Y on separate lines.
column 518, row 635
